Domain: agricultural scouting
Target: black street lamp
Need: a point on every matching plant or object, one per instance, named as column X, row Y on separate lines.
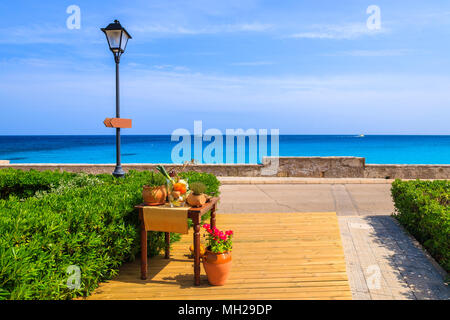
column 117, row 38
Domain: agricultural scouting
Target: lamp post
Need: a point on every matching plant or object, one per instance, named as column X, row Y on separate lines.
column 117, row 38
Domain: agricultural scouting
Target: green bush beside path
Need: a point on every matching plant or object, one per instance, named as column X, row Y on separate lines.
column 423, row 208
column 65, row 219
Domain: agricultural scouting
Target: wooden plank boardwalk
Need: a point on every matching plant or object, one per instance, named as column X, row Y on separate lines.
column 275, row 256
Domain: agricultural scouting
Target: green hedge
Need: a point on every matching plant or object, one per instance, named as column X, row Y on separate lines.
column 90, row 223
column 210, row 180
column 25, row 183
column 423, row 208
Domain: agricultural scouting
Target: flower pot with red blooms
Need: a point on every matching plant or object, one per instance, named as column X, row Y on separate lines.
column 217, row 257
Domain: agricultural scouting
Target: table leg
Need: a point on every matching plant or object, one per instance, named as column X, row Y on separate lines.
column 144, row 259
column 196, row 221
column 213, row 217
column 167, row 253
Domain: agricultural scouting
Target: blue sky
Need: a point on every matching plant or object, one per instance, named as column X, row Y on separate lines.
column 304, row 67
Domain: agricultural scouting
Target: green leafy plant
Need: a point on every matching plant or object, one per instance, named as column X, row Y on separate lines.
column 156, row 179
column 423, row 208
column 25, row 184
column 80, row 180
column 197, row 188
column 209, row 180
column 163, row 171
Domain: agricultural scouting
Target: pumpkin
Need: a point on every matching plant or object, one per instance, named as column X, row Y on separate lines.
column 202, row 249
column 179, row 187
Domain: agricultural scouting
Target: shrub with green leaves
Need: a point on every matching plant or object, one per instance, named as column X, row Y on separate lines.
column 423, row 208
column 82, row 220
column 156, row 179
column 209, row 180
column 80, row 180
column 197, row 188
column 26, row 183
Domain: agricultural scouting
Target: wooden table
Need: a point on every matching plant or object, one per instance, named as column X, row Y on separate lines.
column 193, row 213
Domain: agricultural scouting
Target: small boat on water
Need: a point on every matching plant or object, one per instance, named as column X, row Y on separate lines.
column 361, row 136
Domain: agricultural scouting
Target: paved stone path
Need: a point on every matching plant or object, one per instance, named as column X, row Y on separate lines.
column 345, row 199
column 383, row 261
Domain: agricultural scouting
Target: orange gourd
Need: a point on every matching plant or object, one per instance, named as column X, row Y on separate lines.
column 180, row 187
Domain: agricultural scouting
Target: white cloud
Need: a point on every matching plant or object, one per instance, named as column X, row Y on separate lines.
column 169, row 67
column 252, row 63
column 338, row 32
column 193, row 30
column 253, row 27
column 372, row 53
column 49, row 34
column 370, row 101
column 208, row 92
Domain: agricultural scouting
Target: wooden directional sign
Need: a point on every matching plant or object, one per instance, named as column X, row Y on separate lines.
column 117, row 123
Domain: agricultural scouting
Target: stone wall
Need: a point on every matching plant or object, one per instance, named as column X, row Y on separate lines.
column 319, row 167
column 231, row 170
column 308, row 167
column 407, row 171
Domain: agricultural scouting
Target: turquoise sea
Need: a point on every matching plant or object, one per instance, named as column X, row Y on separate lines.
column 394, row 149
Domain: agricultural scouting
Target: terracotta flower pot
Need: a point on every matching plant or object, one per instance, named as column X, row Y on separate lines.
column 195, row 200
column 154, row 195
column 217, row 267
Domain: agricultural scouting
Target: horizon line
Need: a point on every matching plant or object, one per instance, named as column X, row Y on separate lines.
column 169, row 134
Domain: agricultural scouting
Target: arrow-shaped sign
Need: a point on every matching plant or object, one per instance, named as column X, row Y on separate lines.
column 117, row 123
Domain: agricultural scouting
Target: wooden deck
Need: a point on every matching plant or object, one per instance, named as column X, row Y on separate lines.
column 275, row 256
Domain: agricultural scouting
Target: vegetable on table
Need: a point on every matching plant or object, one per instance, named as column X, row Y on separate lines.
column 164, row 173
column 181, row 187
